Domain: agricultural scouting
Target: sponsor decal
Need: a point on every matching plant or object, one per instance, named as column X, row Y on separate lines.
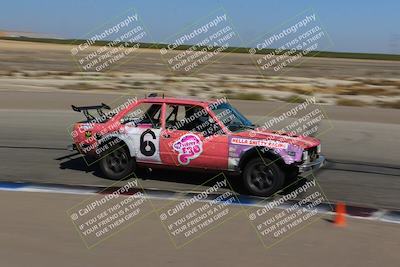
column 189, row 147
column 88, row 134
column 259, row 142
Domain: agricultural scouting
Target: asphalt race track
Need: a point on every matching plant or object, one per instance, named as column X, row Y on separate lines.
column 362, row 148
column 45, row 236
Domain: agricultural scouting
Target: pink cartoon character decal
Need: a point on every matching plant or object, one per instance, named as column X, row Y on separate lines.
column 189, row 147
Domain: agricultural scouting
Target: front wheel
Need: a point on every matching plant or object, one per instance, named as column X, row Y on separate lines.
column 117, row 163
column 262, row 177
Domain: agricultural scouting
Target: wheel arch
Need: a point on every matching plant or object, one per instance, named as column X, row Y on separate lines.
column 124, row 139
column 261, row 151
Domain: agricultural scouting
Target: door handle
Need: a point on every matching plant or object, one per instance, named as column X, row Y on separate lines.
column 166, row 135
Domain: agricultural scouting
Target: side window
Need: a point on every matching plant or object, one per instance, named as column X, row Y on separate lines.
column 227, row 117
column 191, row 118
column 144, row 113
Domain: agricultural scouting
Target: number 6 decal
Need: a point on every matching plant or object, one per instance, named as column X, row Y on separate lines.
column 147, row 147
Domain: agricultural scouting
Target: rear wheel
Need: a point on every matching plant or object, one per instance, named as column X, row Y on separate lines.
column 262, row 177
column 117, row 163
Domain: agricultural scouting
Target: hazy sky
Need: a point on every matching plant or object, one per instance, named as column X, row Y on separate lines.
column 355, row 26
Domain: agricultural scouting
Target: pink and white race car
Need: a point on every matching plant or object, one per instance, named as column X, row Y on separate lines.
column 193, row 134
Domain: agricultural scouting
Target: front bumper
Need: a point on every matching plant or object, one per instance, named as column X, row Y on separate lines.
column 315, row 165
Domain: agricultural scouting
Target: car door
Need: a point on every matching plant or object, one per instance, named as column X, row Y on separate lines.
column 142, row 127
column 186, row 140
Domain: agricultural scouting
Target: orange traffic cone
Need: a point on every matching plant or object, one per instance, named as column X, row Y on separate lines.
column 340, row 216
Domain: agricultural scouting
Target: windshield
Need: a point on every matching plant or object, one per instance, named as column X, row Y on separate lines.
column 232, row 118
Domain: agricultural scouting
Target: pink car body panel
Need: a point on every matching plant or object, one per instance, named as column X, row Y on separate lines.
column 185, row 149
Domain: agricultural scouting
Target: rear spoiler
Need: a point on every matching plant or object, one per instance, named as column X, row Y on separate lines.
column 86, row 109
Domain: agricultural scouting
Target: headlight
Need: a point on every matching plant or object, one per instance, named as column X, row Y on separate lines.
column 319, row 149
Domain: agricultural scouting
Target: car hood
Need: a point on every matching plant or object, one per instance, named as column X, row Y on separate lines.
column 286, row 137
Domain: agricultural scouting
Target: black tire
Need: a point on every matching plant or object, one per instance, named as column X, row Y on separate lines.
column 117, row 163
column 262, row 177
